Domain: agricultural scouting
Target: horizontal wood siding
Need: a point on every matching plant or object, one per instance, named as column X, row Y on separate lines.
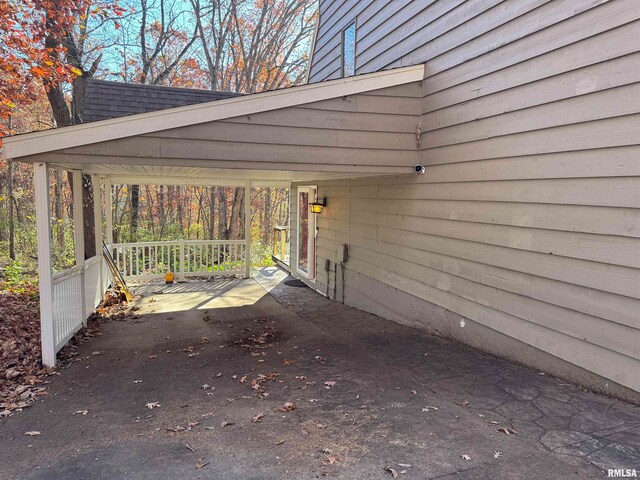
column 375, row 130
column 528, row 218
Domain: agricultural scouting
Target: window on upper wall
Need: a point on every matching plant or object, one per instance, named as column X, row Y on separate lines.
column 349, row 50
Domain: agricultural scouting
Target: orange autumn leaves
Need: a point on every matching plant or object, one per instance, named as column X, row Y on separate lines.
column 32, row 47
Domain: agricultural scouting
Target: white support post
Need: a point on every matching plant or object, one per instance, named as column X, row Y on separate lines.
column 97, row 224
column 247, row 228
column 43, row 227
column 78, row 233
column 108, row 209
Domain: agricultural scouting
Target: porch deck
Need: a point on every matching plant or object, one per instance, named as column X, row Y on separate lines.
column 401, row 397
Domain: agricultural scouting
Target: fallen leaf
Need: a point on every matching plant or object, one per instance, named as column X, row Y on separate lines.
column 279, row 442
column 153, row 405
column 332, row 459
column 465, row 457
column 201, row 464
column 137, row 381
column 32, row 433
column 507, row 431
column 81, row 412
column 326, row 450
column 497, row 454
column 243, row 379
column 391, row 472
column 464, row 403
column 329, row 384
column 288, row 363
column 414, row 392
column 428, row 408
column 288, row 407
column 258, row 418
column 404, row 465
column 226, row 424
column 206, row 386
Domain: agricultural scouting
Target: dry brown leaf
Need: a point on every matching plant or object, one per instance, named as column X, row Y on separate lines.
column 258, row 418
column 226, row 424
column 287, row 407
column 391, row 472
column 288, row 363
column 507, row 431
column 201, row 464
column 153, row 405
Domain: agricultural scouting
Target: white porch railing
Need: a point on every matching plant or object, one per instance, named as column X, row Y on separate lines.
column 69, row 312
column 184, row 258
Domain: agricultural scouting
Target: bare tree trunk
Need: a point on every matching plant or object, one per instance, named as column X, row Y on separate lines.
column 212, row 213
column 12, row 251
column 267, row 227
column 135, row 211
column 58, row 209
column 236, row 224
column 88, row 204
column 223, row 229
column 179, row 207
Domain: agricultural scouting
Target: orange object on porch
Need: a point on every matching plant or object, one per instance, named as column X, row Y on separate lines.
column 168, row 278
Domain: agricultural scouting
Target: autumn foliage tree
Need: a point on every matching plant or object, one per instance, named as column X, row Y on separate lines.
column 48, row 48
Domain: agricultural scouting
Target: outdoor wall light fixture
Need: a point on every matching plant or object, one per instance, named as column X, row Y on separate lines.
column 316, row 207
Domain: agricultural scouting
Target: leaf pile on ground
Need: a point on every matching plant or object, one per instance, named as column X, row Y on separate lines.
column 22, row 375
column 264, row 338
column 21, row 372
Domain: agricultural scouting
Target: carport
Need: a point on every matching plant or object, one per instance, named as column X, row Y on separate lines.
column 361, row 126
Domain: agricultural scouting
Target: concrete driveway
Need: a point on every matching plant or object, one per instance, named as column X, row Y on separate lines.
column 254, row 379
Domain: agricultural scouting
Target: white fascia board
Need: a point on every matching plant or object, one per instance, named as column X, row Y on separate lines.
column 122, row 127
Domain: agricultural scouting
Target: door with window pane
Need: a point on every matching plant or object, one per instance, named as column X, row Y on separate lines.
column 306, row 241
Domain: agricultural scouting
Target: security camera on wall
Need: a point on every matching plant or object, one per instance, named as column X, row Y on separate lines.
column 419, row 169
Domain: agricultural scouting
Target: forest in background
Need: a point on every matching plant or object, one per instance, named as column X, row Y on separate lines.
column 49, row 48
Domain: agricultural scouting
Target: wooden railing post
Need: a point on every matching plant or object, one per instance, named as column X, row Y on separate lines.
column 43, row 226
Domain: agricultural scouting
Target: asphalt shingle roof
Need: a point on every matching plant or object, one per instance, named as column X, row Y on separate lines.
column 105, row 99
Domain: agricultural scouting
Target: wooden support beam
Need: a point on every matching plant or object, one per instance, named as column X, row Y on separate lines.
column 43, row 227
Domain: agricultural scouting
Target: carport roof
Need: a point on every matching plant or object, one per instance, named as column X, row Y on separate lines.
column 104, row 99
column 357, row 126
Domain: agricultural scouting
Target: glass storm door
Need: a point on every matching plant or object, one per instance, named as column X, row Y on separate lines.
column 306, row 232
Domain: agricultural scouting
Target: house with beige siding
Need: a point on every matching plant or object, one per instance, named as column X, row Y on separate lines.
column 478, row 162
